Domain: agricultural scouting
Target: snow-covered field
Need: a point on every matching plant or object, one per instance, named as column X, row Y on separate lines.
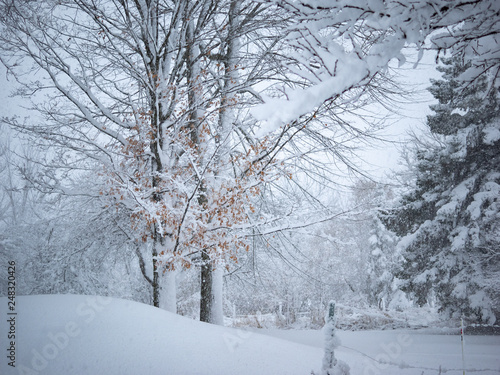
column 73, row 335
column 402, row 352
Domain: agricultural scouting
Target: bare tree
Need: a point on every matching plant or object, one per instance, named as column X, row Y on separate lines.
column 146, row 93
column 155, row 99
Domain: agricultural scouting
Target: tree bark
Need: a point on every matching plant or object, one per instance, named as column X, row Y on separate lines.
column 156, row 285
column 206, row 289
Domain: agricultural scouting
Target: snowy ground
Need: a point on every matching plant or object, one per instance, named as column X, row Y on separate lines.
column 73, row 335
column 405, row 352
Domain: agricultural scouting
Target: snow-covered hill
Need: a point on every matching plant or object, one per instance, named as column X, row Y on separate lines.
column 77, row 335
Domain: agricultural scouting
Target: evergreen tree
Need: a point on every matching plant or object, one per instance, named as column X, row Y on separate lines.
column 382, row 263
column 451, row 219
column 382, row 258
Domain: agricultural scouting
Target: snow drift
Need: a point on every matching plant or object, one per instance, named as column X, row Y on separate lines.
column 69, row 334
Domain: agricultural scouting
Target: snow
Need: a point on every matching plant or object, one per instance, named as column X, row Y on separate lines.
column 217, row 288
column 331, row 365
column 168, row 291
column 277, row 112
column 406, row 352
column 491, row 134
column 69, row 334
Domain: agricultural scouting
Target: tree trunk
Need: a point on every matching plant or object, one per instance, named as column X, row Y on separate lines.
column 211, row 292
column 217, row 316
column 211, row 308
column 168, row 291
column 155, row 284
column 206, row 289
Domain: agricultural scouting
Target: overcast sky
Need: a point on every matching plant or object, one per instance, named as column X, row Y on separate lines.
column 410, row 116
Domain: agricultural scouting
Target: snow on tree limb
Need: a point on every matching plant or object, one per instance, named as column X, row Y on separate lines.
column 341, row 45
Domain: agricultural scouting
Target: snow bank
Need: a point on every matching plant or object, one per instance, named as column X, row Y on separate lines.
column 69, row 334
